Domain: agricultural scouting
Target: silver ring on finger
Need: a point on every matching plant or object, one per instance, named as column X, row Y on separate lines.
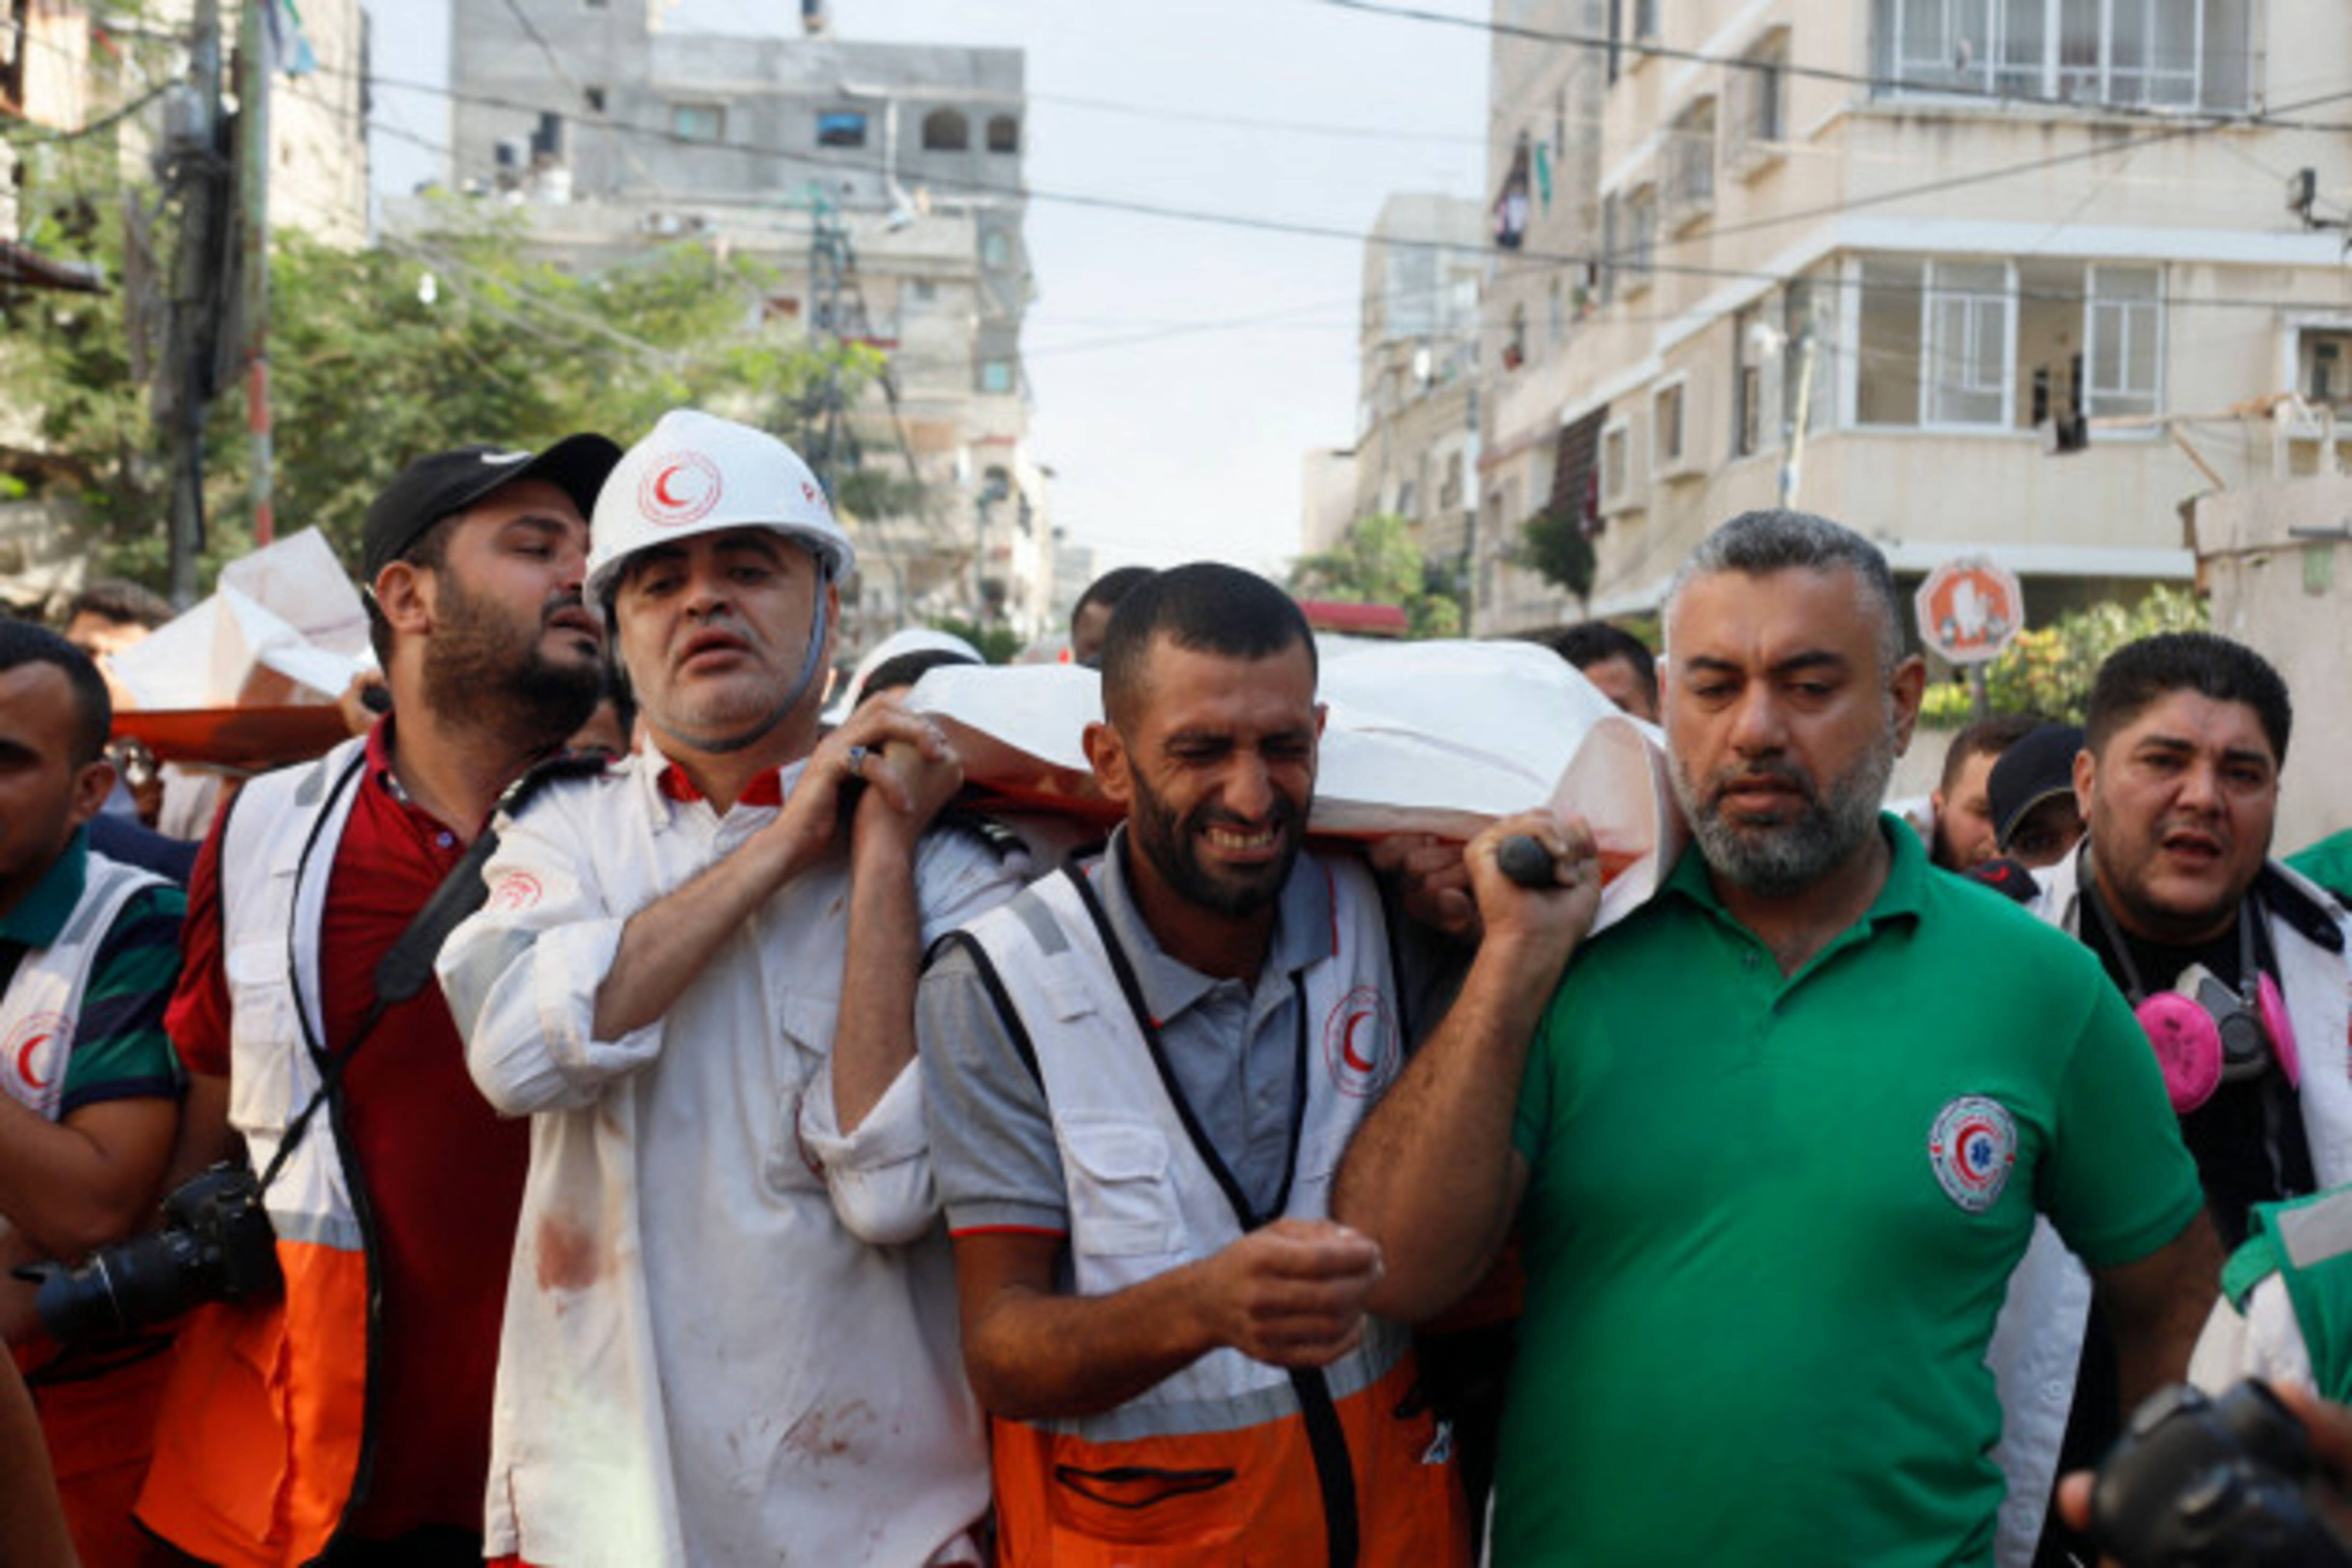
column 857, row 761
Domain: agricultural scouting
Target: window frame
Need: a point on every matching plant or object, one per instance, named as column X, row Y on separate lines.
column 1666, row 463
column 1999, row 62
column 2101, row 402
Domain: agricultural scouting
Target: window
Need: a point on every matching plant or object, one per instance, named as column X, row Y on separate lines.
column 1760, row 346
column 1645, row 18
column 1935, row 342
column 698, row 121
column 1967, row 343
column 1689, row 161
column 1003, row 134
column 1668, row 443
column 1555, row 315
column 995, row 250
column 945, row 131
column 996, row 375
column 1449, row 487
column 2038, row 343
column 2167, row 54
column 1613, row 229
column 2123, row 341
column 1616, row 465
column 1641, row 238
column 1755, row 104
column 841, row 127
column 595, row 97
column 2323, row 369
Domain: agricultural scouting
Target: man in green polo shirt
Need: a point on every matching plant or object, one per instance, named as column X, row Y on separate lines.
column 1777, row 1139
column 89, row 1085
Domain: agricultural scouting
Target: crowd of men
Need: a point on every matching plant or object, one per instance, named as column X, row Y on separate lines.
column 711, row 1145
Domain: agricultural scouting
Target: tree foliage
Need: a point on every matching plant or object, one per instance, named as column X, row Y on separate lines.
column 2049, row 670
column 996, row 644
column 1554, row 547
column 379, row 355
column 1378, row 561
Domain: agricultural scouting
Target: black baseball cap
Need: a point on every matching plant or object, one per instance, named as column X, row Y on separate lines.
column 445, row 483
column 2040, row 764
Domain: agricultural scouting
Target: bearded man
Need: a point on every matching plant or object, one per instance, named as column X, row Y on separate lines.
column 1141, row 1072
column 349, row 1421
column 1777, row 1139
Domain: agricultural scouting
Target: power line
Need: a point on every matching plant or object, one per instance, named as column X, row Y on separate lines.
column 1304, row 228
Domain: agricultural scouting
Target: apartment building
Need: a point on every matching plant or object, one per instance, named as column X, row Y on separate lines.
column 1416, row 451
column 882, row 184
column 2011, row 278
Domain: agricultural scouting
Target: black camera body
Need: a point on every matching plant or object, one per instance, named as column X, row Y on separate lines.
column 216, row 1245
column 2213, row 1483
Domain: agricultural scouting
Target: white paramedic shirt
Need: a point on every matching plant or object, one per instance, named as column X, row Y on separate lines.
column 730, row 1331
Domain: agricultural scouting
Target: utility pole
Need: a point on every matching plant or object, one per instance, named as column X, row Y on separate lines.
column 255, row 67
column 193, row 167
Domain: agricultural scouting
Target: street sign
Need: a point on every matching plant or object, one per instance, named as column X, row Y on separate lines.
column 1968, row 609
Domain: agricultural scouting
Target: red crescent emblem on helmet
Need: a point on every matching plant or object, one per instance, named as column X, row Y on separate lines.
column 679, row 489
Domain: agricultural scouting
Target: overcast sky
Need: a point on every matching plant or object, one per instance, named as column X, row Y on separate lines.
column 1179, row 370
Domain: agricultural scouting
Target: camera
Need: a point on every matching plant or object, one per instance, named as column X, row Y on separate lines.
column 2215, row 1483
column 216, row 1245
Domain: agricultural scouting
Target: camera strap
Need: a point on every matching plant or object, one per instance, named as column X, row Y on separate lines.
column 407, row 964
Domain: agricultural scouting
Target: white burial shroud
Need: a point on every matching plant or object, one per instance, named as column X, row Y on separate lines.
column 1424, row 737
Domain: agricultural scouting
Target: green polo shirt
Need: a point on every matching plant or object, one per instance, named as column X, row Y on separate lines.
column 2327, row 862
column 119, row 1050
column 1770, row 1220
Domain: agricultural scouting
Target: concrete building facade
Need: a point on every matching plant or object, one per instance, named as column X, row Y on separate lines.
column 882, row 184
column 1416, row 453
column 2015, row 279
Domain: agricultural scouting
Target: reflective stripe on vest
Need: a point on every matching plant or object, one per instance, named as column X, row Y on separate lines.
column 43, row 1005
column 2307, row 1243
column 1304, row 1460
column 263, row 1428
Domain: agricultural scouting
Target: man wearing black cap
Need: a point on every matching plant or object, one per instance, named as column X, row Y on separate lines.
column 351, row 1417
column 2036, row 820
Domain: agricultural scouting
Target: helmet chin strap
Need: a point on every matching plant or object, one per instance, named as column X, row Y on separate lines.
column 723, row 745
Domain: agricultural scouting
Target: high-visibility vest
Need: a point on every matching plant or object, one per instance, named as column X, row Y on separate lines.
column 263, row 1435
column 1229, row 1460
column 2305, row 1243
column 97, row 1425
column 43, row 1004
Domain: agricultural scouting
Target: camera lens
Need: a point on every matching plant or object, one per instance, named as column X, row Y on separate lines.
column 124, row 1288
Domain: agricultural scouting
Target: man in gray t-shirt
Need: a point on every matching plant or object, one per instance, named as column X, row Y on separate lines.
column 1140, row 1076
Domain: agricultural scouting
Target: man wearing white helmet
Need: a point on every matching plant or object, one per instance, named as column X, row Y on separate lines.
column 731, row 1327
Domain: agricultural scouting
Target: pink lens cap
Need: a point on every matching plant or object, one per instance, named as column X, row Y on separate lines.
column 2188, row 1047
column 2280, row 1028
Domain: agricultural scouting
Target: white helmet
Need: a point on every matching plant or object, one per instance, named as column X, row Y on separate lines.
column 694, row 473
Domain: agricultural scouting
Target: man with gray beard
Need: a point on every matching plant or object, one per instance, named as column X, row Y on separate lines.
column 1776, row 1139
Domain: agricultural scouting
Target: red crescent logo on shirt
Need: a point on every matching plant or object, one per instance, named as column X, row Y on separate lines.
column 679, row 489
column 515, row 891
column 1360, row 1043
column 36, row 1066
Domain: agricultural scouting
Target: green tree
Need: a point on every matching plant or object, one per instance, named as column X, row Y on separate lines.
column 2049, row 670
column 1378, row 561
column 379, row 354
column 997, row 645
column 1554, row 547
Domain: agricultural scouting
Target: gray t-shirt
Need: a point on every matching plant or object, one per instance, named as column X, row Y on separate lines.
column 1232, row 1048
